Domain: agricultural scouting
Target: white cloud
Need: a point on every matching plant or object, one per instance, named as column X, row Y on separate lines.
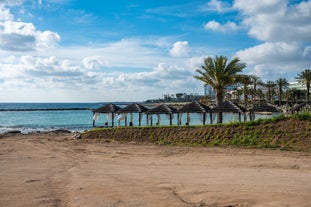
column 180, row 49
column 270, row 60
column 71, row 71
column 271, row 52
column 5, row 13
column 275, row 20
column 216, row 26
column 284, row 30
column 215, row 5
column 94, row 62
column 12, row 2
column 263, row 6
column 20, row 36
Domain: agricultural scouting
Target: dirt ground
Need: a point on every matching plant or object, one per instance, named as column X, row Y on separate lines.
column 56, row 170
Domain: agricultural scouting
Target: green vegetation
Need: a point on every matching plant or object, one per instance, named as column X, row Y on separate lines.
column 281, row 132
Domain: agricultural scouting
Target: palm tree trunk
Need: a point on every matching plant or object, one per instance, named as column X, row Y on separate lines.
column 254, row 94
column 308, row 92
column 219, row 102
column 245, row 100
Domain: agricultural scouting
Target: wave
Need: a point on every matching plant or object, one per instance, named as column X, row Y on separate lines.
column 30, row 130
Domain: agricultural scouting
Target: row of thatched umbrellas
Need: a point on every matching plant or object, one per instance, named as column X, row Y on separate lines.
column 193, row 107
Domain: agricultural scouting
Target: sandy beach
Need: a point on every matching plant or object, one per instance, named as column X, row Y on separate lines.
column 57, row 170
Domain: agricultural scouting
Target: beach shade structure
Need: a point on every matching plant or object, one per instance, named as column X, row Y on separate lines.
column 264, row 108
column 161, row 109
column 229, row 107
column 194, row 107
column 299, row 107
column 132, row 108
column 109, row 109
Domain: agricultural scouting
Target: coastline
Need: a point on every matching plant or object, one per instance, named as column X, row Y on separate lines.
column 55, row 169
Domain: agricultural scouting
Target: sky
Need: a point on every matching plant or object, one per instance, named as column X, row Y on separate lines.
column 134, row 50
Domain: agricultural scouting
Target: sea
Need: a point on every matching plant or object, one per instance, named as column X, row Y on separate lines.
column 78, row 117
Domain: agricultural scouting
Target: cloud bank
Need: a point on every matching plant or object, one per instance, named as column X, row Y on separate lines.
column 285, row 31
column 35, row 65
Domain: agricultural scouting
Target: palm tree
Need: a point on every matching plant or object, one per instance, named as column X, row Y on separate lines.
column 219, row 74
column 237, row 93
column 282, row 84
column 270, row 85
column 294, row 95
column 245, row 80
column 305, row 78
column 256, row 82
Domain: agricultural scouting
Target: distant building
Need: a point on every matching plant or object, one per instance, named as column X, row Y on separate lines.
column 297, row 85
column 210, row 92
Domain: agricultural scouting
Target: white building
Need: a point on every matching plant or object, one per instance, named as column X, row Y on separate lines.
column 297, row 85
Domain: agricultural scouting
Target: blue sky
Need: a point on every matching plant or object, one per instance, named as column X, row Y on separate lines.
column 91, row 51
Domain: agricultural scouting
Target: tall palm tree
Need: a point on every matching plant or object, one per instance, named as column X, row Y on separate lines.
column 245, row 80
column 282, row 84
column 237, row 93
column 305, row 78
column 219, row 74
column 270, row 85
column 294, row 95
column 256, row 82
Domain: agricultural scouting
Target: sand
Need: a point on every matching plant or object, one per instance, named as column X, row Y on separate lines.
column 56, row 170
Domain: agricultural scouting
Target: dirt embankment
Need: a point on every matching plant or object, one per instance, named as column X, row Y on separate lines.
column 285, row 134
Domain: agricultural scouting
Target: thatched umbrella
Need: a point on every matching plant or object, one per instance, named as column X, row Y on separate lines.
column 107, row 109
column 229, row 107
column 161, row 109
column 263, row 108
column 133, row 108
column 195, row 107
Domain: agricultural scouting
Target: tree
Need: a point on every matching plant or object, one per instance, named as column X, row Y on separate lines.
column 245, row 80
column 270, row 85
column 256, row 82
column 294, row 95
column 305, row 78
column 219, row 74
column 282, row 84
column 237, row 93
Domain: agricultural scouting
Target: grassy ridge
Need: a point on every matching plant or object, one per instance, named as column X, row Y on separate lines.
column 285, row 133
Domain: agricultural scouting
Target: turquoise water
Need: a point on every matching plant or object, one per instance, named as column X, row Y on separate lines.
column 31, row 121
column 77, row 120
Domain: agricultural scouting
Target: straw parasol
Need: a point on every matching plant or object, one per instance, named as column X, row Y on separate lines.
column 194, row 107
column 161, row 109
column 133, row 108
column 106, row 109
column 229, row 107
column 263, row 108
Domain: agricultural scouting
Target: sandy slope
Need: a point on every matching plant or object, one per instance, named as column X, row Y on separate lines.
column 55, row 170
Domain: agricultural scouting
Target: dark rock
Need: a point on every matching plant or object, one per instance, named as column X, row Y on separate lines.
column 61, row 131
column 14, row 132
